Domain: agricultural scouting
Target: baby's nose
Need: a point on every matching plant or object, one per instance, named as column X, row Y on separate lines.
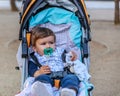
column 48, row 45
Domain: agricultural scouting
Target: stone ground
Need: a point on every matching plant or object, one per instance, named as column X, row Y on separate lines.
column 105, row 53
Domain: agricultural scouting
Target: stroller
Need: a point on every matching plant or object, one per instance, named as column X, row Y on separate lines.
column 67, row 18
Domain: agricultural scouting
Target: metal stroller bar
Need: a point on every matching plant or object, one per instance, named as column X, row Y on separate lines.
column 85, row 20
column 25, row 20
column 24, row 74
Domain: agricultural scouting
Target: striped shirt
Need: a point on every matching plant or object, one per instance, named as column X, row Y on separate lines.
column 54, row 61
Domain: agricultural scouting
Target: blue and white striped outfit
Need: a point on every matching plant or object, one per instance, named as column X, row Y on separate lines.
column 54, row 61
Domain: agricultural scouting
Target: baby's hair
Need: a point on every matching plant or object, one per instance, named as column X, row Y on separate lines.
column 39, row 33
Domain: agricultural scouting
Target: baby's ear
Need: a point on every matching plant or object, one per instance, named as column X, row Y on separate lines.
column 34, row 49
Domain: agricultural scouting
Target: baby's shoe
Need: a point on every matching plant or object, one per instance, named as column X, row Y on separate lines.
column 67, row 92
column 40, row 89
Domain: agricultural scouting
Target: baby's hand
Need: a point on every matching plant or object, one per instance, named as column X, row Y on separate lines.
column 73, row 56
column 44, row 70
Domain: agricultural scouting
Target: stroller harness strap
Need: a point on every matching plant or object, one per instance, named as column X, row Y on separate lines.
column 56, row 76
column 35, row 59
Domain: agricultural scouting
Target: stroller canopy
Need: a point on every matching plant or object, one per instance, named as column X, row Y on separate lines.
column 31, row 7
column 60, row 16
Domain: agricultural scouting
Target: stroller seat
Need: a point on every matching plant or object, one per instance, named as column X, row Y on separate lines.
column 69, row 33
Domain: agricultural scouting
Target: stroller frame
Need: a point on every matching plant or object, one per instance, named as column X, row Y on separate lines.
column 30, row 7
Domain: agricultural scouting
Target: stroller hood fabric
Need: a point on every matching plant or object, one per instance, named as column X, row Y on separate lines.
column 60, row 16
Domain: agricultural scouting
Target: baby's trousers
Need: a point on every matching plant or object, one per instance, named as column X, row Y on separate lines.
column 69, row 81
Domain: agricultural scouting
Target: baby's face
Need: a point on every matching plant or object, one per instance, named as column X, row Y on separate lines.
column 43, row 43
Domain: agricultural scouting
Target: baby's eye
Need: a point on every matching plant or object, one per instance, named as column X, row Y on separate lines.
column 51, row 42
column 42, row 43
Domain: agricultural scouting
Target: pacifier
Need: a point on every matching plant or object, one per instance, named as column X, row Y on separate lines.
column 48, row 51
